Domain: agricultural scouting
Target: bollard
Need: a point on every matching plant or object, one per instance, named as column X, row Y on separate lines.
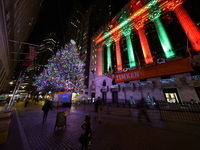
column 129, row 109
column 159, row 111
column 108, row 109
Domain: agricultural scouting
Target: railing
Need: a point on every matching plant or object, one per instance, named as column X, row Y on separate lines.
column 160, row 110
column 179, row 111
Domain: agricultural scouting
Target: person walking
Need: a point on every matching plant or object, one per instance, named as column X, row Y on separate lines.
column 45, row 109
column 142, row 110
column 99, row 107
column 87, row 136
column 26, row 103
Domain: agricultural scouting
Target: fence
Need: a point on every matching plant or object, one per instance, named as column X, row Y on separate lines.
column 160, row 110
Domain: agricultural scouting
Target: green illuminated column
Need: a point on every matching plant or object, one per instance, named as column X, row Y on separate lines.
column 126, row 32
column 109, row 61
column 163, row 37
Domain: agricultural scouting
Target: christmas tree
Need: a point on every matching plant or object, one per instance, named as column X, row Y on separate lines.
column 63, row 73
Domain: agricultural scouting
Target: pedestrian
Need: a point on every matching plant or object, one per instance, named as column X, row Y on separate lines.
column 98, row 106
column 142, row 110
column 45, row 109
column 26, row 103
column 87, row 136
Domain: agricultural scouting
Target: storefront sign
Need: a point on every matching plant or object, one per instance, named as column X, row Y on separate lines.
column 171, row 80
column 173, row 67
column 127, row 85
column 61, row 119
column 144, row 83
column 114, row 87
column 104, row 89
column 195, row 77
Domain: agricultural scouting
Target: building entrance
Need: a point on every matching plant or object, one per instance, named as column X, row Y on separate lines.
column 104, row 96
column 92, row 97
column 115, row 97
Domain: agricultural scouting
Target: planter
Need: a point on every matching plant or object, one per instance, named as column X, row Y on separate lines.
column 4, row 116
column 4, row 128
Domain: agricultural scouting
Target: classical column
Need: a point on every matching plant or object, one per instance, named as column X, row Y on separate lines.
column 144, row 43
column 108, row 42
column 116, row 37
column 189, row 27
column 126, row 32
column 163, row 37
column 100, row 65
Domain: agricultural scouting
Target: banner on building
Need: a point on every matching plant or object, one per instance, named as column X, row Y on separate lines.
column 173, row 67
column 27, row 63
column 32, row 52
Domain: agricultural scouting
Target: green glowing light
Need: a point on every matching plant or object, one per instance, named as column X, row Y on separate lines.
column 164, row 40
column 152, row 3
column 131, row 57
column 109, row 61
column 103, row 63
column 126, row 29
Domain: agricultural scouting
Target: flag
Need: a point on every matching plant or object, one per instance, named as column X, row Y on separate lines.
column 27, row 63
column 32, row 53
column 189, row 51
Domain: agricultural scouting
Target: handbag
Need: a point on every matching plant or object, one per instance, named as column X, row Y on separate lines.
column 80, row 138
column 43, row 107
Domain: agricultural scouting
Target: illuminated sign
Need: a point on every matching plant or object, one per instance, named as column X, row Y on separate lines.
column 173, row 67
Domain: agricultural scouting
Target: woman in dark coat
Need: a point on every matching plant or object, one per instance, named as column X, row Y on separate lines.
column 45, row 109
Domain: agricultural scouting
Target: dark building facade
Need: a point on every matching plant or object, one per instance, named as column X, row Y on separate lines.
column 17, row 19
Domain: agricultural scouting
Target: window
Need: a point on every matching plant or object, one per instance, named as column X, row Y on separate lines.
column 171, row 97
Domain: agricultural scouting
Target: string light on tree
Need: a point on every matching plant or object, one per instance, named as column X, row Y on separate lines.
column 64, row 72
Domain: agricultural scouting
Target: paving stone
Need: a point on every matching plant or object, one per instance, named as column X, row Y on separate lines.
column 118, row 131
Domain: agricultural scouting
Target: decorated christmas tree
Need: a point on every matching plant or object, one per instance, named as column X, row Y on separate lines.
column 63, row 73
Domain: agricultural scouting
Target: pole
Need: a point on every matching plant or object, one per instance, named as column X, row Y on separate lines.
column 24, row 43
column 15, row 90
column 13, row 95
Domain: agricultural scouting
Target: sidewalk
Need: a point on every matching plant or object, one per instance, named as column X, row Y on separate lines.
column 117, row 132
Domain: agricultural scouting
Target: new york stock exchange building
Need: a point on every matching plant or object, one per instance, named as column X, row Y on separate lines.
column 150, row 48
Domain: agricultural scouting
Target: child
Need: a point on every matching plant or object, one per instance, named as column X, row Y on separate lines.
column 87, row 138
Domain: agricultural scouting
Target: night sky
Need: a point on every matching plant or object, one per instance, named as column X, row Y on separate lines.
column 53, row 18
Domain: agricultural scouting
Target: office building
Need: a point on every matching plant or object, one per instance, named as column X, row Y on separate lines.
column 17, row 19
